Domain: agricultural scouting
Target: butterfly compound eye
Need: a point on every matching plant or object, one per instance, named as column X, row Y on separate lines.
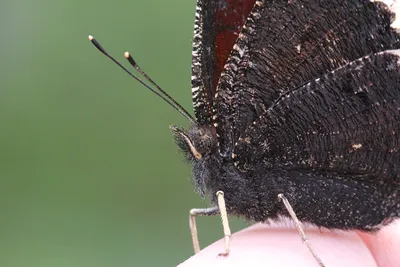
column 185, row 143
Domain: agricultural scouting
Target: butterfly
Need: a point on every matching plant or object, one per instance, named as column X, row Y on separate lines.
column 296, row 112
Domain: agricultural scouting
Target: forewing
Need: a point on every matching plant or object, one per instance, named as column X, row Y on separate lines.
column 285, row 44
column 217, row 25
column 346, row 122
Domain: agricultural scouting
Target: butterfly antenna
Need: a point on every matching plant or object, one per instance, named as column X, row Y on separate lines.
column 164, row 96
column 136, row 66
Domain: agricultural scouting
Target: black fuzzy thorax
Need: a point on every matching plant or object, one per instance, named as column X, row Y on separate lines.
column 243, row 191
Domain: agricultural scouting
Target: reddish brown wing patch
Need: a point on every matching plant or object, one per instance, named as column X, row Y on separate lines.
column 230, row 20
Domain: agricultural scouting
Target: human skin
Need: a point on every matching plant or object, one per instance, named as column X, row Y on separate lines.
column 280, row 245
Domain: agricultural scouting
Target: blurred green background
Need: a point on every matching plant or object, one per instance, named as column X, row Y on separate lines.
column 89, row 173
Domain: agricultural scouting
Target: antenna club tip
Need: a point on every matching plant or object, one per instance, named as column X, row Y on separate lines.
column 90, row 37
column 127, row 55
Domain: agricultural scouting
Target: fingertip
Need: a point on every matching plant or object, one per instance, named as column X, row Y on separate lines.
column 277, row 245
column 384, row 245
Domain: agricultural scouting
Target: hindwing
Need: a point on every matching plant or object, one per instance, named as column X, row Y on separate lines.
column 345, row 122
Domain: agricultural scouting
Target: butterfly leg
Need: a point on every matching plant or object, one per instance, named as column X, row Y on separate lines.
column 220, row 209
column 225, row 222
column 192, row 223
column 300, row 228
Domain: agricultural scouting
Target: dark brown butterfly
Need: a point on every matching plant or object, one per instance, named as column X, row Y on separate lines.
column 297, row 112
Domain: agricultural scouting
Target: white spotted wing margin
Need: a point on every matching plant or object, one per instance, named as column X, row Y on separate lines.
column 201, row 75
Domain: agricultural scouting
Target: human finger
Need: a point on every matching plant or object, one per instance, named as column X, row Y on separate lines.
column 280, row 245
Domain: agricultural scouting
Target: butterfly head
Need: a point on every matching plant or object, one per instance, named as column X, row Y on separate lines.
column 196, row 143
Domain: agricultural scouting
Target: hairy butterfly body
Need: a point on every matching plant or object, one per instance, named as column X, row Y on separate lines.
column 307, row 105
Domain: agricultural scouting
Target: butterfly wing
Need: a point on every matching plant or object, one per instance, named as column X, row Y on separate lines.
column 346, row 122
column 217, row 25
column 285, row 44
